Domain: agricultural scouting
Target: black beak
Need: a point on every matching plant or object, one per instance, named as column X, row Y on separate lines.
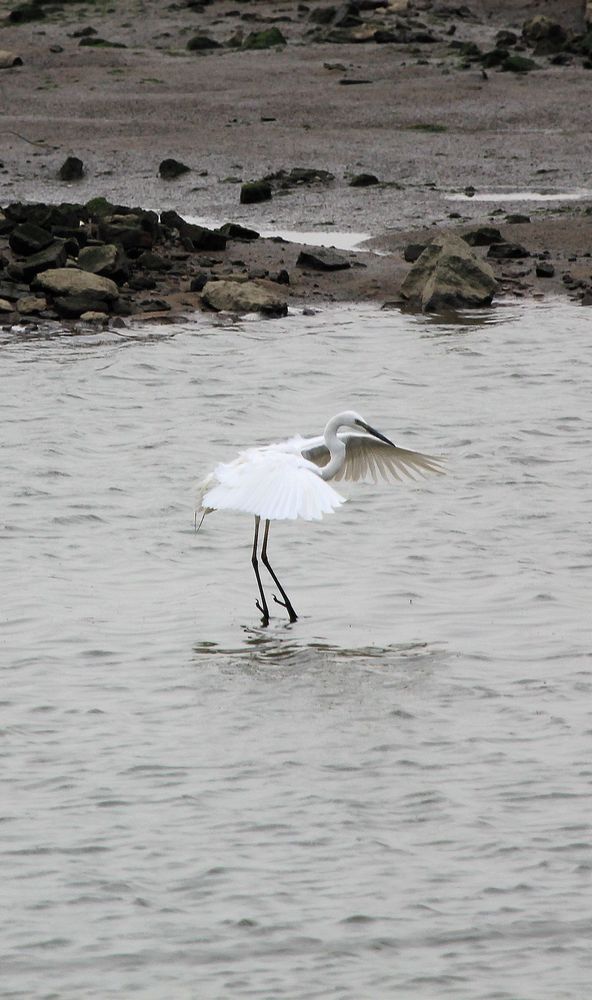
column 377, row 434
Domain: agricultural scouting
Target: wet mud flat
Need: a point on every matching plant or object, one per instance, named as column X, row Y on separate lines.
column 399, row 121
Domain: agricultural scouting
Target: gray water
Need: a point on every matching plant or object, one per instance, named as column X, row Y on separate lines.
column 390, row 798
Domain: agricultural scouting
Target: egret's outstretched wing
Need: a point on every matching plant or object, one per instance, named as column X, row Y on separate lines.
column 368, row 458
column 273, row 486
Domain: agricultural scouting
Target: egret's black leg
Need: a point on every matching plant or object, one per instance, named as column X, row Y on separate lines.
column 286, row 600
column 263, row 605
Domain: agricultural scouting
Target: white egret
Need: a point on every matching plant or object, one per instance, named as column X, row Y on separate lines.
column 291, row 479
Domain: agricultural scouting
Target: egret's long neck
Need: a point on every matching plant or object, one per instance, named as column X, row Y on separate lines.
column 336, row 449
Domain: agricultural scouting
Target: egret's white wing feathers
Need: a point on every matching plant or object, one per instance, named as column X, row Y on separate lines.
column 273, row 484
column 368, row 458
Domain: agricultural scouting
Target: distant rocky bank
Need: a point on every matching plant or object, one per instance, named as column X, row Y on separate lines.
column 407, row 121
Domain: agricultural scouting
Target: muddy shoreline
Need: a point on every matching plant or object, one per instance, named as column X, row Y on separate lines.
column 452, row 141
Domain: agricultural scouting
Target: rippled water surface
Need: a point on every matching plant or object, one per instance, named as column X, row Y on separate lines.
column 390, row 798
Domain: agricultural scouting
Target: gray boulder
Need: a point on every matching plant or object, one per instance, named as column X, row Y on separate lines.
column 244, row 297
column 448, row 275
column 322, row 259
column 106, row 259
column 69, row 281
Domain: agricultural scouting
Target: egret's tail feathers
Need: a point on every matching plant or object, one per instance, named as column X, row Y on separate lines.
column 273, row 490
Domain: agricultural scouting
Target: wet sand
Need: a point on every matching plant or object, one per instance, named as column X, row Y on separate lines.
column 427, row 128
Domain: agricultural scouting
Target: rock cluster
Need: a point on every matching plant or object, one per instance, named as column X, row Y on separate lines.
column 74, row 261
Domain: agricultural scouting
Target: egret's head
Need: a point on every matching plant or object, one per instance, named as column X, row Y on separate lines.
column 357, row 421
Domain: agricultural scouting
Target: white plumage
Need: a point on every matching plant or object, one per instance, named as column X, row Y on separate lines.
column 291, row 479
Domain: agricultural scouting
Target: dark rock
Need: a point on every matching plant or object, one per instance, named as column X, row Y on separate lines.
column 26, row 12
column 198, row 281
column 28, row 239
column 413, row 251
column 482, row 236
column 204, row 239
column 322, row 259
column 586, row 299
column 170, row 169
column 495, row 57
column 151, row 261
column 194, row 237
column 282, row 277
column 102, row 43
column 507, row 251
column 544, row 35
column 505, row 39
column 543, row 269
column 322, row 15
column 129, row 235
column 202, row 43
column 255, row 191
column 363, row 180
column 265, row 39
column 55, row 255
column 72, row 169
column 73, row 306
column 518, row 64
column 12, row 290
column 142, row 283
column 84, row 32
column 73, row 235
column 517, row 219
column 298, row 176
column 235, row 232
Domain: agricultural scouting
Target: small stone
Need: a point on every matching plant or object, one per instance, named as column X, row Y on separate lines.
column 363, row 180
column 6, row 306
column 482, row 236
column 170, row 169
column 255, row 191
column 9, row 59
column 72, row 169
column 507, row 251
column 265, row 39
column 26, row 12
column 154, row 261
column 202, row 43
column 94, row 316
column 235, row 232
column 543, row 269
column 517, row 219
column 413, row 251
column 31, row 304
column 198, row 282
column 518, row 64
column 322, row 259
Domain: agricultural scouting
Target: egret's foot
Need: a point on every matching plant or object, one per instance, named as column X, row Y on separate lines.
column 288, row 607
column 264, row 614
